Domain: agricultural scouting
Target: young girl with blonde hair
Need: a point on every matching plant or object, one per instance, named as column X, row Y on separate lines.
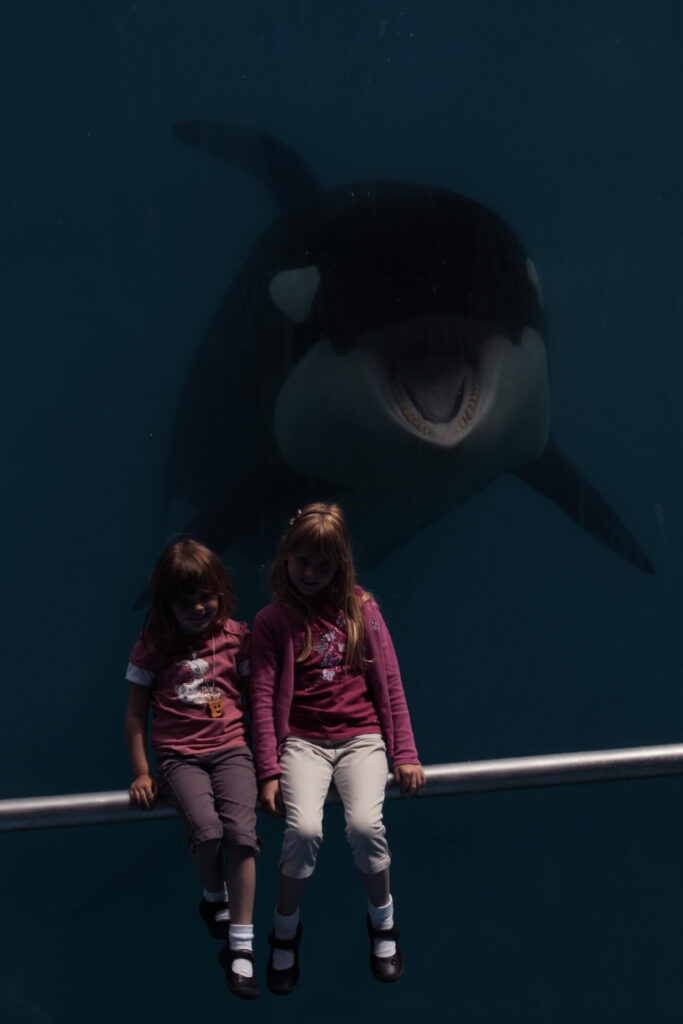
column 190, row 664
column 328, row 704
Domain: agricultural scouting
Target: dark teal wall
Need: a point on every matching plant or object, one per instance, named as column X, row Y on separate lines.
column 517, row 632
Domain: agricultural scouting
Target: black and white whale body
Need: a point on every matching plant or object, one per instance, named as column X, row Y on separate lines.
column 383, row 344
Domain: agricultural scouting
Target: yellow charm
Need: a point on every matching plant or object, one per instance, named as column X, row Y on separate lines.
column 216, row 709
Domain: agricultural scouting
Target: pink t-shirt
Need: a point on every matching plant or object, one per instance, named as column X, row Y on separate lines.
column 199, row 669
column 332, row 701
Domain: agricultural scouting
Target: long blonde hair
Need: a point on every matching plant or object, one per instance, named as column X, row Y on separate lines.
column 321, row 529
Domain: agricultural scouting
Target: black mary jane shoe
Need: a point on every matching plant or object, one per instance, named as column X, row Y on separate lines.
column 281, row 983
column 208, row 911
column 245, row 988
column 385, row 968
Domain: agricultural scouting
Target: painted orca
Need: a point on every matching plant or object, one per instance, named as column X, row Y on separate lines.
column 383, row 344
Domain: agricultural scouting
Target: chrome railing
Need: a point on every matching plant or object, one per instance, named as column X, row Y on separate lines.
column 442, row 780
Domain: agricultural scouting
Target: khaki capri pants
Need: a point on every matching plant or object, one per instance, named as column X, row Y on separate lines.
column 358, row 767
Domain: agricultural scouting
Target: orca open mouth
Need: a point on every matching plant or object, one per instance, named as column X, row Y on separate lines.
column 429, row 393
column 435, row 382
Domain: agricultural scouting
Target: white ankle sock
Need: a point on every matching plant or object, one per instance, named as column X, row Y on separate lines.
column 284, row 927
column 219, row 897
column 381, row 918
column 241, row 937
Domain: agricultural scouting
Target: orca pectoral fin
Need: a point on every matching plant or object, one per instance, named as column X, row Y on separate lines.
column 283, row 172
column 555, row 478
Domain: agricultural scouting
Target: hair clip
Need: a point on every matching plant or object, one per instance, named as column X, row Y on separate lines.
column 294, row 519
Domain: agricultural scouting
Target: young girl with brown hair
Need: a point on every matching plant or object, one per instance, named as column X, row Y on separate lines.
column 328, row 704
column 190, row 663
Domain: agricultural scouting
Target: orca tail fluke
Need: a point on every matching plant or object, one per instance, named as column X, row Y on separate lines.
column 287, row 177
column 553, row 476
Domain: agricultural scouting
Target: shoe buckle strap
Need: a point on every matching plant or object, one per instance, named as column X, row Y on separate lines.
column 238, row 954
column 384, row 933
column 290, row 944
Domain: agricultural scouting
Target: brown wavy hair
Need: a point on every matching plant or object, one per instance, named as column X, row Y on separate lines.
column 321, row 530
column 185, row 567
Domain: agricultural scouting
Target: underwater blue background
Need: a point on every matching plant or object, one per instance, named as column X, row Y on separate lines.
column 517, row 633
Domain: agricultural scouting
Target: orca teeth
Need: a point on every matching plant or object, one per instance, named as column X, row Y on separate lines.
column 448, row 430
column 436, row 411
column 436, row 384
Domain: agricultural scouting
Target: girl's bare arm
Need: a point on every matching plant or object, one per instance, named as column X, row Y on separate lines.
column 143, row 789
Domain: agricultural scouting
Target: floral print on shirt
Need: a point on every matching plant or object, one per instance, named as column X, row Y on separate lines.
column 330, row 643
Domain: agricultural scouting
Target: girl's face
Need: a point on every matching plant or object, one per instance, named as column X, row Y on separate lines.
column 309, row 573
column 194, row 612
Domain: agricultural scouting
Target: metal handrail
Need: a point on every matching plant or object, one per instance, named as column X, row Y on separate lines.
column 618, row 765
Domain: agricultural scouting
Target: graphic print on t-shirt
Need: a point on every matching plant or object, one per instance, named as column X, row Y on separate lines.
column 194, row 688
column 330, row 644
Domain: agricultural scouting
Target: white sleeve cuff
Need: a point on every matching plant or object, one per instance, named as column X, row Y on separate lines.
column 141, row 676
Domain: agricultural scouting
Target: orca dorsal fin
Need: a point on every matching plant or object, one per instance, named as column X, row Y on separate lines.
column 553, row 476
column 287, row 177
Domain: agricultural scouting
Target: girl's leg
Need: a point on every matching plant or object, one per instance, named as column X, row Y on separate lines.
column 377, row 887
column 234, row 793
column 233, row 783
column 360, row 776
column 234, row 787
column 305, row 780
column 241, row 879
column 287, row 930
column 380, row 910
column 306, row 774
column 241, row 875
column 186, row 784
column 289, row 894
column 208, row 863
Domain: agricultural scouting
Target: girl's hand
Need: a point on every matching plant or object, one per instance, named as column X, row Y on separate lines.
column 270, row 796
column 410, row 777
column 143, row 792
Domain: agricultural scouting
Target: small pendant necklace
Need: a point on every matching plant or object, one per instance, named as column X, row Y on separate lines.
column 212, row 695
column 214, row 702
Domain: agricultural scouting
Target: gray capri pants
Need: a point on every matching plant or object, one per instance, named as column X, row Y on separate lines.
column 358, row 768
column 214, row 794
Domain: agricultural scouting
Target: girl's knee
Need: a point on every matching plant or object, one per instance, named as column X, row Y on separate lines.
column 204, row 848
column 361, row 828
column 305, row 832
column 368, row 844
column 304, row 827
column 238, row 852
column 300, row 848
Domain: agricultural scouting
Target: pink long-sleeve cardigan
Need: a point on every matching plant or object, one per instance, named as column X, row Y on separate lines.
column 277, row 637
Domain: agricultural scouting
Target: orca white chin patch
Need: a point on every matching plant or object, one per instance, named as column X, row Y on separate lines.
column 501, row 398
column 402, row 405
column 293, row 291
